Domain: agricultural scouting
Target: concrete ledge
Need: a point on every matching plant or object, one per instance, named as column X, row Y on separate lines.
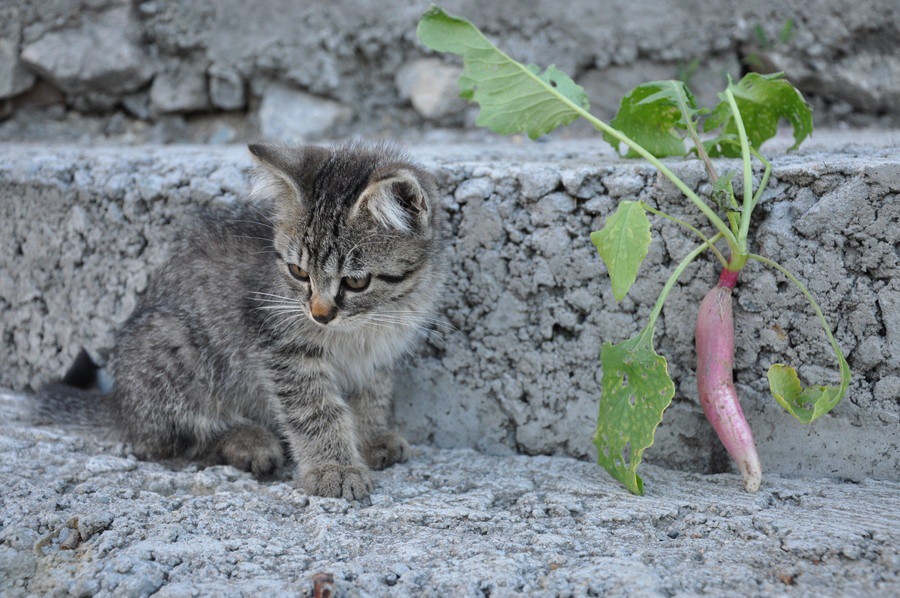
column 82, row 228
column 83, row 517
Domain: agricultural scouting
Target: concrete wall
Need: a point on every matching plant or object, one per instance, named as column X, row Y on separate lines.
column 226, row 70
column 81, row 230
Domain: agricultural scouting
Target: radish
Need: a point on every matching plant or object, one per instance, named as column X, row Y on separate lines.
column 654, row 121
column 715, row 360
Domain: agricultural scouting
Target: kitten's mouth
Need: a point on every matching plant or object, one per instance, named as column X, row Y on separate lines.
column 331, row 324
column 336, row 322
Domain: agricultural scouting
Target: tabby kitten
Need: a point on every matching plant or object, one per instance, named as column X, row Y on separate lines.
column 281, row 319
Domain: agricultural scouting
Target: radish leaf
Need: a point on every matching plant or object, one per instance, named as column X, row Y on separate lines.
column 514, row 98
column 653, row 115
column 763, row 100
column 635, row 390
column 805, row 404
column 623, row 243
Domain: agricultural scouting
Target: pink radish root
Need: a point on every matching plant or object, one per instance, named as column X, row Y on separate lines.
column 715, row 362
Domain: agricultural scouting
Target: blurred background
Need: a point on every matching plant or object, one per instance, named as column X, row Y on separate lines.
column 226, row 71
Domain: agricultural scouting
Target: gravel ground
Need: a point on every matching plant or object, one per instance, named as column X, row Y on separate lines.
column 81, row 516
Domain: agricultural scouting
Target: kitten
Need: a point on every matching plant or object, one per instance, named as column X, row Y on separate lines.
column 281, row 319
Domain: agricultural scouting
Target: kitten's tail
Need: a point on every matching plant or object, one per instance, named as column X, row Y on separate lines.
column 81, row 399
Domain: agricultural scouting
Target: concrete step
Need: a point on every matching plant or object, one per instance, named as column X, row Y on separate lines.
column 528, row 298
column 84, row 517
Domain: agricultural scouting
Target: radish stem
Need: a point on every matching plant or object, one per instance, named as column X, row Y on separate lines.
column 691, row 228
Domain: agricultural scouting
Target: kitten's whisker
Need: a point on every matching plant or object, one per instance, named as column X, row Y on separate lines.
column 261, row 294
column 268, row 240
column 421, row 319
column 274, row 305
column 286, row 322
column 259, row 211
column 434, row 336
column 442, row 325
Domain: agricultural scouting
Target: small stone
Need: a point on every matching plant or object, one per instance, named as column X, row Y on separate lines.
column 138, row 105
column 623, row 183
column 551, row 209
column 15, row 78
column 887, row 389
column 226, row 88
column 473, row 189
column 430, row 86
column 483, row 226
column 182, row 90
column 99, row 56
column 538, row 182
column 867, row 78
column 109, row 464
column 151, row 187
column 292, row 116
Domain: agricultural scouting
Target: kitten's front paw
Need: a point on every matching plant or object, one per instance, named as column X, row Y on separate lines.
column 332, row 480
column 251, row 448
column 385, row 449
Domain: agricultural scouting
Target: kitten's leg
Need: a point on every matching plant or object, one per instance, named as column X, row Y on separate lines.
column 249, row 447
column 380, row 446
column 158, row 377
column 321, row 432
column 169, row 400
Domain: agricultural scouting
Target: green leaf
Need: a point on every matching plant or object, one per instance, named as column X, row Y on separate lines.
column 635, row 390
column 514, row 98
column 653, row 115
column 623, row 243
column 806, row 404
column 762, row 100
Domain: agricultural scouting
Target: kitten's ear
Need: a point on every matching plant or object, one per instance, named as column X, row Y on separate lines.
column 272, row 176
column 397, row 199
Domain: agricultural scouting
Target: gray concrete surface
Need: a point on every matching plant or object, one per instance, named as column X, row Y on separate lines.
column 515, row 368
column 223, row 71
column 81, row 517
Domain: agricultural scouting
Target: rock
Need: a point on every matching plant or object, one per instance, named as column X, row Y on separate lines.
column 290, row 115
column 889, row 303
column 867, row 79
column 430, row 86
column 226, row 88
column 138, row 105
column 474, row 189
column 181, row 90
column 606, row 87
column 539, row 181
column 552, row 209
column 15, row 78
column 100, row 55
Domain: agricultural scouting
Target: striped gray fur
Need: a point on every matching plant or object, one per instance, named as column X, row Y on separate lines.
column 279, row 320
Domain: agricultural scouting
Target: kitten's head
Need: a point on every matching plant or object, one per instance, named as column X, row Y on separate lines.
column 356, row 232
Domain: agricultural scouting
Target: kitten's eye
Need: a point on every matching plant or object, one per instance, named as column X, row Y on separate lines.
column 356, row 283
column 298, row 272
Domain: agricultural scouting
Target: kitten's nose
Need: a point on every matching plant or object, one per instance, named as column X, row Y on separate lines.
column 321, row 311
